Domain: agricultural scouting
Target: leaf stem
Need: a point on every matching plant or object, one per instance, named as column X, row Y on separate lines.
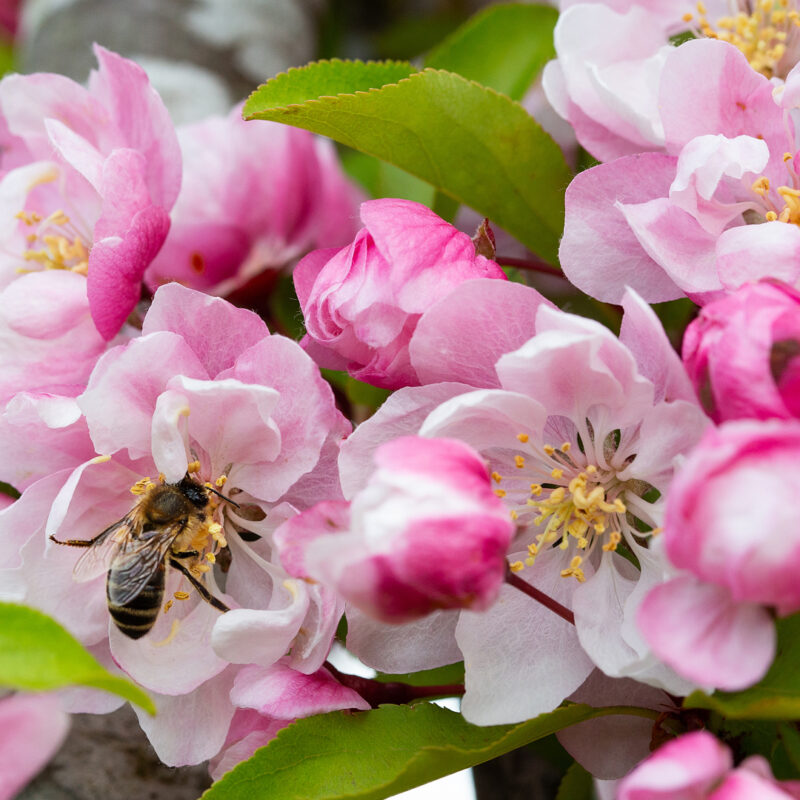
column 377, row 693
column 540, row 597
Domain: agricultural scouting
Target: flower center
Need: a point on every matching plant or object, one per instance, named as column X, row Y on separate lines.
column 53, row 243
column 569, row 506
column 761, row 29
column 789, row 196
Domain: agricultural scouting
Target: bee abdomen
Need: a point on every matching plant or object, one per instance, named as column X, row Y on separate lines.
column 136, row 617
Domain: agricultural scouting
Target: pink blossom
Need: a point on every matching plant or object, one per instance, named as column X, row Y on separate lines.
column 91, row 176
column 268, row 699
column 255, row 196
column 619, row 419
column 731, row 525
column 32, row 728
column 696, row 766
column 742, row 353
column 205, row 392
column 425, row 533
column 676, row 221
column 362, row 303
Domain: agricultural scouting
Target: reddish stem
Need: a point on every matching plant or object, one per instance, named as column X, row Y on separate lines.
column 532, row 265
column 540, row 597
column 376, row 692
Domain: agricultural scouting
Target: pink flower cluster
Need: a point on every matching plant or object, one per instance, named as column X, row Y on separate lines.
column 574, row 514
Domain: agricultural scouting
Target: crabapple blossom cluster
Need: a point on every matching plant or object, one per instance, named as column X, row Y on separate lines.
column 580, row 515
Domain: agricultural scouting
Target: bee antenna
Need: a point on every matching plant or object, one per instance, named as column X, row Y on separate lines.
column 219, row 494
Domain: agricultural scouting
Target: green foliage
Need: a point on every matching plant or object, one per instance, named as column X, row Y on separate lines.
column 470, row 142
column 374, row 754
column 776, row 696
column 380, row 179
column 503, row 47
column 576, row 784
column 439, row 676
column 37, row 654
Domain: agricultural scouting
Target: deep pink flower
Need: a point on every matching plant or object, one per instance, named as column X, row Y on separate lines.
column 731, row 524
column 362, row 303
column 32, row 728
column 743, row 353
column 255, row 196
column 425, row 533
column 696, row 766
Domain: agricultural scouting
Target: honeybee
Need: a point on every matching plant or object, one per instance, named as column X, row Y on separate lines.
column 169, row 525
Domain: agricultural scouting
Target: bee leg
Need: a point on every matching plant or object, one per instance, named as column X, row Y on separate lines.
column 201, row 590
column 77, row 542
column 185, row 554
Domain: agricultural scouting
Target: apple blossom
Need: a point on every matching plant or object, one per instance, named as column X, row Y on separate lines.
column 205, row 391
column 255, row 195
column 425, row 533
column 697, row 766
column 576, row 455
column 731, row 525
column 362, row 303
column 742, row 353
column 675, row 223
column 32, row 728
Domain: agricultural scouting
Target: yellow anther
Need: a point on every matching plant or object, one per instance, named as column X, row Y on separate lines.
column 201, row 568
column 221, row 481
column 141, row 486
column 167, row 606
column 516, row 566
column 514, row 514
column 574, row 570
column 565, row 447
column 761, row 186
column 687, row 17
column 210, row 557
column 788, row 157
column 549, row 449
column 530, row 561
column 497, row 477
column 519, row 461
column 500, row 492
column 770, row 216
column 557, row 473
column 161, row 477
column 591, row 469
column 181, row 595
column 614, row 538
column 192, row 467
column 533, row 549
column 523, row 437
column 536, row 489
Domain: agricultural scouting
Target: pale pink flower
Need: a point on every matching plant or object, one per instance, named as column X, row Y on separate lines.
column 675, row 223
column 743, row 353
column 255, row 196
column 362, row 303
column 696, row 766
column 569, row 449
column 731, row 525
column 205, row 383
column 425, row 533
column 32, row 728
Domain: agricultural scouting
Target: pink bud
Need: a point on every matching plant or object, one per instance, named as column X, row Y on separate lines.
column 427, row 532
column 743, row 353
column 362, row 303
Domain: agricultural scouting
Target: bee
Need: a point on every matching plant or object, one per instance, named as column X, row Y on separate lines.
column 169, row 525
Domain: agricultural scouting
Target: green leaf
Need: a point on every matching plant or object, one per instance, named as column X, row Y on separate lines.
column 37, row 654
column 790, row 738
column 470, row 142
column 385, row 180
column 503, row 46
column 576, row 784
column 374, row 754
column 439, row 676
column 776, row 696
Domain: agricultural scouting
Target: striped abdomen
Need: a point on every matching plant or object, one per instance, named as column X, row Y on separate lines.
column 137, row 616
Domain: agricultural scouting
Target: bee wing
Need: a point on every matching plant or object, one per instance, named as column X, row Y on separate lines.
column 137, row 561
column 97, row 558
